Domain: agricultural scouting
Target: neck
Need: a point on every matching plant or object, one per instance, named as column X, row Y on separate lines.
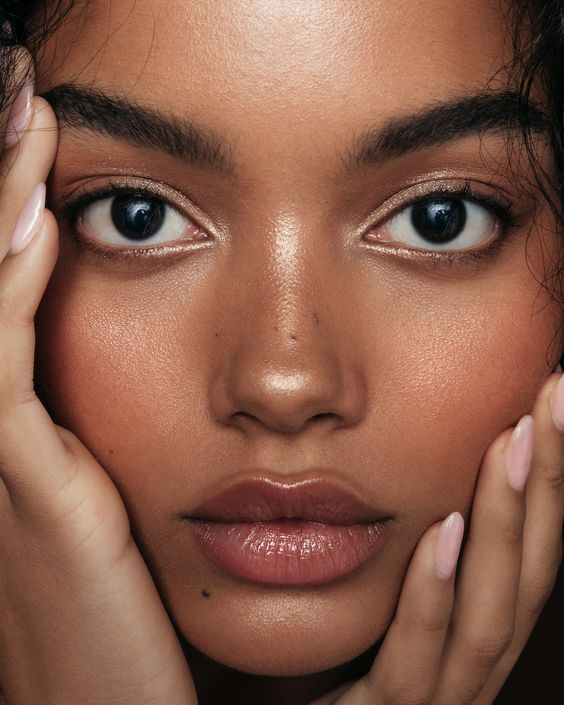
column 216, row 683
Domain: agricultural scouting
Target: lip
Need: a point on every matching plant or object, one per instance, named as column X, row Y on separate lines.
column 282, row 532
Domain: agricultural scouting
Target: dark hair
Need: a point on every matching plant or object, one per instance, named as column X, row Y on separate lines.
column 538, row 63
column 24, row 23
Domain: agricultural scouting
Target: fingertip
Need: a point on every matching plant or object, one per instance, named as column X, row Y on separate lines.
column 497, row 448
column 44, row 120
column 25, row 274
column 447, row 545
column 29, row 220
column 50, row 232
column 518, row 454
column 556, row 402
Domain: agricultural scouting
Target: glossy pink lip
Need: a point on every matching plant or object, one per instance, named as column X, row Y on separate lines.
column 308, row 532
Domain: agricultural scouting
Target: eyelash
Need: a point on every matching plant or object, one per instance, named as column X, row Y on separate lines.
column 504, row 212
column 72, row 208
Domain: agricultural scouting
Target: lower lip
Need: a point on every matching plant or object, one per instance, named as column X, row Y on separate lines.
column 289, row 552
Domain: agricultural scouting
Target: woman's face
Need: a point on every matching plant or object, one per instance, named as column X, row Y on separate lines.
column 305, row 324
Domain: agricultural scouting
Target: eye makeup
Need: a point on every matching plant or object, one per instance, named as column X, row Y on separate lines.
column 506, row 220
column 70, row 214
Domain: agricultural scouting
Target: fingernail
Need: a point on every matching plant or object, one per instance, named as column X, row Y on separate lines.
column 20, row 115
column 557, row 404
column 29, row 220
column 447, row 545
column 519, row 453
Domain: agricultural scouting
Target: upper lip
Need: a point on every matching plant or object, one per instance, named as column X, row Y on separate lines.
column 316, row 499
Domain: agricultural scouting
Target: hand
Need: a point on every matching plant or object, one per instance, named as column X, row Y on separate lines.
column 457, row 647
column 80, row 618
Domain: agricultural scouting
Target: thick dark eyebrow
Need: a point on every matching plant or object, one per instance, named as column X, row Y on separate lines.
column 501, row 112
column 93, row 110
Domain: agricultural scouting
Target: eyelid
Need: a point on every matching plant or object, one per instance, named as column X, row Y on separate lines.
column 471, row 190
column 501, row 208
column 112, row 186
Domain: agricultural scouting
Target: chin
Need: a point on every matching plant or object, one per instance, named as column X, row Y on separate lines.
column 288, row 632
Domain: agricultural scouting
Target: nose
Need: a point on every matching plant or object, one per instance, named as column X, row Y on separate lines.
column 287, row 390
column 288, row 361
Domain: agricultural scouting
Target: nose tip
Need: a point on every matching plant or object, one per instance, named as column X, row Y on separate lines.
column 286, row 400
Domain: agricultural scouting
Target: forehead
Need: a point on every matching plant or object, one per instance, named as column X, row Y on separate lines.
column 251, row 52
column 263, row 72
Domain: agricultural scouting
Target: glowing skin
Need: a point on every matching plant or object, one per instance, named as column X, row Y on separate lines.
column 180, row 371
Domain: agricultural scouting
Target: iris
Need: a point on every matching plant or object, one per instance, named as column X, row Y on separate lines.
column 439, row 220
column 137, row 217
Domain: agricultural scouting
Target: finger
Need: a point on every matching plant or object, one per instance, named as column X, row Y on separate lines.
column 15, row 115
column 484, row 614
column 542, row 548
column 24, row 166
column 542, row 541
column 28, row 440
column 408, row 663
column 33, row 458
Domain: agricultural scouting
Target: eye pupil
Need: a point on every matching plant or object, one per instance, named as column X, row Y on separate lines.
column 137, row 217
column 439, row 220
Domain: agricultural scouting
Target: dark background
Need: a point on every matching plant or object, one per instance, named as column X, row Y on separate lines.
column 538, row 676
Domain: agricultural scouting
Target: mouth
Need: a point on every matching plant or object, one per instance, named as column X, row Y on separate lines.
column 307, row 532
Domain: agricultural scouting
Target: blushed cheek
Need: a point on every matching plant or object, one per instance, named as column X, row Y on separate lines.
column 484, row 373
column 462, row 366
column 104, row 367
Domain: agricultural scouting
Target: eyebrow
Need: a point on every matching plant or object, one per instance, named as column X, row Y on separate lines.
column 497, row 112
column 93, row 110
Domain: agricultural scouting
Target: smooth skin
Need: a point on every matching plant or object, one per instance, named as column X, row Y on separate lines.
column 62, row 510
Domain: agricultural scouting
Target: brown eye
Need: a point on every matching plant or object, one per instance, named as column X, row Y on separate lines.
column 439, row 220
column 138, row 217
column 130, row 220
column 439, row 223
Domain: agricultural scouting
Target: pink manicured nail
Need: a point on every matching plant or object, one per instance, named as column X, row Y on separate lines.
column 519, row 453
column 29, row 220
column 557, row 404
column 447, row 545
column 20, row 115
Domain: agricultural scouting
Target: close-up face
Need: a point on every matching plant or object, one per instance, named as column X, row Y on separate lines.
column 301, row 267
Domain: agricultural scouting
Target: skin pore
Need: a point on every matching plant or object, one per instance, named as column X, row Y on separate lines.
column 284, row 335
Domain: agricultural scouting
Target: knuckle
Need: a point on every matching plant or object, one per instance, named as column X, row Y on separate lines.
column 537, row 593
column 433, row 623
column 551, row 475
column 511, row 532
column 407, row 694
column 487, row 649
column 13, row 396
column 468, row 692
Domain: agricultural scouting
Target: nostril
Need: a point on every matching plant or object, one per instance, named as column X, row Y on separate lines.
column 322, row 416
column 281, row 424
column 242, row 415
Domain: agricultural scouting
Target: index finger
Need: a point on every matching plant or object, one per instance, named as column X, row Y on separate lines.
column 16, row 80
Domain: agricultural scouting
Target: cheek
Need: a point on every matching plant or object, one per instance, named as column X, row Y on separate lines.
column 107, row 359
column 455, row 364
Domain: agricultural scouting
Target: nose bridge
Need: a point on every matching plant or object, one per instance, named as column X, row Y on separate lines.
column 280, row 299
column 288, row 281
column 282, row 366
